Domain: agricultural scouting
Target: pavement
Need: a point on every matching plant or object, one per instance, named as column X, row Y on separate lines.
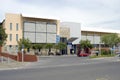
column 11, row 64
column 5, row 65
column 66, row 68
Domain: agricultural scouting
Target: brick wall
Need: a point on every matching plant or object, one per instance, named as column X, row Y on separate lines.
column 27, row 58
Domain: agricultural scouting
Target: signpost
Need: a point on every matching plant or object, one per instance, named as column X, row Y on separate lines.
column 10, row 50
column 22, row 52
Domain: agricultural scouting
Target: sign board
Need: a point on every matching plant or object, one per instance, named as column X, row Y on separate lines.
column 57, row 38
column 69, row 45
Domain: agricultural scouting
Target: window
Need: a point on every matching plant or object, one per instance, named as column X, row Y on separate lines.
column 17, row 27
column 10, row 26
column 10, row 37
column 16, row 37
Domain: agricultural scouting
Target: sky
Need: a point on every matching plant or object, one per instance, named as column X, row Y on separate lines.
column 103, row 14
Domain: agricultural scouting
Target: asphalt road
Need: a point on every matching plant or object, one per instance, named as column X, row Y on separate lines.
column 66, row 68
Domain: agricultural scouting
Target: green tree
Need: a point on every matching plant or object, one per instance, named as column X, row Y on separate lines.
column 3, row 36
column 25, row 42
column 86, row 45
column 37, row 46
column 49, row 46
column 60, row 46
column 110, row 39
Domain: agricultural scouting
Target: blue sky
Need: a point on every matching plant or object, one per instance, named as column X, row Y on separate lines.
column 90, row 13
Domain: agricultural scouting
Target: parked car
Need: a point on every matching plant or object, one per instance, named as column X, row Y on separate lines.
column 83, row 54
column 58, row 53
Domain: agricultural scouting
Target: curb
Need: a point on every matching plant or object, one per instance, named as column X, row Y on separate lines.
column 3, row 69
column 21, row 66
column 58, row 56
column 102, row 58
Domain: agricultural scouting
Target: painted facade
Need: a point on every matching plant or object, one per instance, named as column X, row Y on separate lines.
column 37, row 30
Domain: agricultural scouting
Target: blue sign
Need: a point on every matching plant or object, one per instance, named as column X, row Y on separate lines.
column 57, row 38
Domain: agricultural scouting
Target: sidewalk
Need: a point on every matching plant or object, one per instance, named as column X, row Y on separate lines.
column 13, row 65
column 107, row 58
column 57, row 55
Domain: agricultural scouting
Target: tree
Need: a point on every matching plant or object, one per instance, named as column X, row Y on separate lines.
column 86, row 45
column 49, row 46
column 110, row 39
column 3, row 36
column 37, row 46
column 60, row 46
column 25, row 42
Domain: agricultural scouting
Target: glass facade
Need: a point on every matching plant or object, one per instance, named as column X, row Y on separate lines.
column 93, row 37
column 40, row 32
column 30, row 36
column 90, row 37
column 41, row 27
column 29, row 27
column 97, row 38
column 41, row 38
column 51, row 28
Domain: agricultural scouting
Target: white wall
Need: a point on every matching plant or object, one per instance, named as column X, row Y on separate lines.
column 75, row 28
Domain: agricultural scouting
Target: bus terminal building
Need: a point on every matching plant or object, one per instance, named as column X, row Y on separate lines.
column 42, row 30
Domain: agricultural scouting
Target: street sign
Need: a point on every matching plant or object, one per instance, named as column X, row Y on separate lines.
column 57, row 38
column 69, row 45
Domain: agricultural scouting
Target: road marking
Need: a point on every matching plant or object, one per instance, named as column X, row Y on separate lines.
column 106, row 77
column 101, row 79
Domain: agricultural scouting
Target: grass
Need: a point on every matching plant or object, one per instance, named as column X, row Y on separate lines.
column 99, row 56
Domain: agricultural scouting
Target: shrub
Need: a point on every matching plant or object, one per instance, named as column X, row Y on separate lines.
column 105, row 52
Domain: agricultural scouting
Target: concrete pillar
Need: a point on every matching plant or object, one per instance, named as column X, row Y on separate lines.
column 68, row 50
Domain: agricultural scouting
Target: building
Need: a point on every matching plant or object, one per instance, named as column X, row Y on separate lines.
column 75, row 36
column 78, row 33
column 64, row 36
column 65, row 32
column 94, row 35
column 37, row 30
column 41, row 30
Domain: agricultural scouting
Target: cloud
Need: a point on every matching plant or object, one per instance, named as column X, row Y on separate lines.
column 100, row 13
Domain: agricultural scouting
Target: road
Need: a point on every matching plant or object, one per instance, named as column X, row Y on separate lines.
column 66, row 68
